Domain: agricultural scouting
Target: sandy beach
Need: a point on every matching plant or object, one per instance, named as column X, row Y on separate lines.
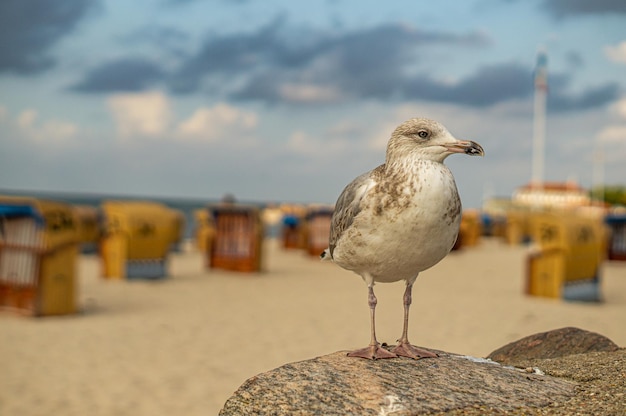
column 184, row 344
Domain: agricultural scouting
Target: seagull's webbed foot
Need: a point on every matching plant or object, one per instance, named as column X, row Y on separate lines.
column 404, row 349
column 372, row 352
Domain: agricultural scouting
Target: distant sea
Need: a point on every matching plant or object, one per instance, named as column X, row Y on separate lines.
column 186, row 205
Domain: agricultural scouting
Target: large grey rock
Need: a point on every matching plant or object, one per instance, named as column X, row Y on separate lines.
column 552, row 344
column 339, row 385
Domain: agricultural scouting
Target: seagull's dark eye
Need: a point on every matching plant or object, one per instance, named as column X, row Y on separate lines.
column 423, row 134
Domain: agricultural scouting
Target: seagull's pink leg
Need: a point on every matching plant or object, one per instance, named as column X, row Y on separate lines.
column 404, row 347
column 374, row 350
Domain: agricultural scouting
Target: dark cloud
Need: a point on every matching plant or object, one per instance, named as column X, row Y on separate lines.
column 370, row 63
column 561, row 101
column 380, row 63
column 373, row 63
column 131, row 74
column 231, row 54
column 262, row 87
column 487, row 86
column 574, row 59
column 29, row 29
column 165, row 37
column 387, row 62
column 569, row 8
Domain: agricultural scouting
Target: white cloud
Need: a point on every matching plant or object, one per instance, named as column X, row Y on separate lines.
column 28, row 124
column 150, row 115
column 59, row 129
column 613, row 134
column 302, row 143
column 26, row 119
column 619, row 108
column 215, row 122
column 145, row 114
column 612, row 138
column 299, row 142
column 616, row 53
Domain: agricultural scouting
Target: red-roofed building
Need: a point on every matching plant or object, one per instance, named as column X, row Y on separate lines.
column 552, row 194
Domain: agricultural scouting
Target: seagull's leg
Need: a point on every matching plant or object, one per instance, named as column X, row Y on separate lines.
column 374, row 350
column 404, row 347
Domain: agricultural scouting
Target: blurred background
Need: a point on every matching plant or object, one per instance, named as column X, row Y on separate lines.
column 281, row 101
column 168, row 171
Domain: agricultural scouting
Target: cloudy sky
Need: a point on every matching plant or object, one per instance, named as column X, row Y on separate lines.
column 278, row 100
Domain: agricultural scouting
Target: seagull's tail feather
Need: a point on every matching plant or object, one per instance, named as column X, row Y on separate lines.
column 325, row 256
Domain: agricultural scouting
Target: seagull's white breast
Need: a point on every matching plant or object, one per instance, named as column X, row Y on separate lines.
column 406, row 224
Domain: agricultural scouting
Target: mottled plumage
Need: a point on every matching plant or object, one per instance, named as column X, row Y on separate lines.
column 400, row 218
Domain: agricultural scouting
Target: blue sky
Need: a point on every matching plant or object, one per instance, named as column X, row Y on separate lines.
column 288, row 101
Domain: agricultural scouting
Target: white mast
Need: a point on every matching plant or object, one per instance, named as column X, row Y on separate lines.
column 539, row 126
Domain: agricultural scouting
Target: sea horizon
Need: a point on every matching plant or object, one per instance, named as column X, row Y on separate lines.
column 187, row 205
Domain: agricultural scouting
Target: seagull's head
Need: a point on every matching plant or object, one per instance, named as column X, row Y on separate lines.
column 428, row 139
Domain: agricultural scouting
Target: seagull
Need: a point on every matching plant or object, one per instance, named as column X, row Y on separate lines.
column 399, row 219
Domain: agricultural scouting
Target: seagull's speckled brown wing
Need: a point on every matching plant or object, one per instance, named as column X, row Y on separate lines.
column 349, row 204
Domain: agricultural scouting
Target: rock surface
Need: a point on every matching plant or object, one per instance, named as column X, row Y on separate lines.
column 552, row 344
column 561, row 372
column 338, row 385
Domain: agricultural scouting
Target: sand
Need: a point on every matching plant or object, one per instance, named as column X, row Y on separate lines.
column 184, row 344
